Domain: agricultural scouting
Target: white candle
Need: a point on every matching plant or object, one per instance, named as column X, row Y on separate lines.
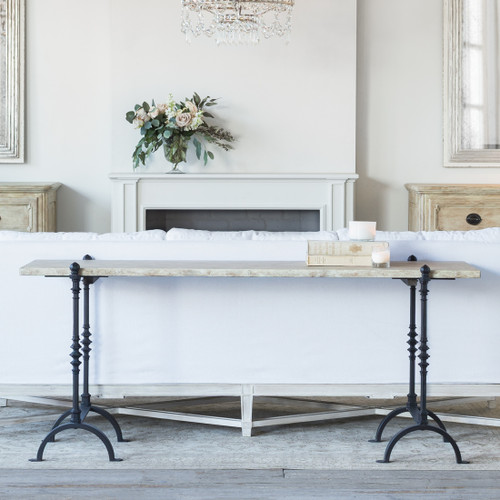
column 362, row 230
column 381, row 257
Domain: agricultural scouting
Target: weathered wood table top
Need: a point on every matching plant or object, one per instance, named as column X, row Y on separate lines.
column 256, row 269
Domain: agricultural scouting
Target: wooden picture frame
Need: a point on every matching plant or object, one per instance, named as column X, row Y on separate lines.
column 456, row 79
column 12, row 80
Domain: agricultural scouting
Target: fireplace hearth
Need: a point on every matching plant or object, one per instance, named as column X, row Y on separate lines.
column 230, row 202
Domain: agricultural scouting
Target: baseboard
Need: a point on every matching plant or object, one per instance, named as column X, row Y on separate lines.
column 376, row 391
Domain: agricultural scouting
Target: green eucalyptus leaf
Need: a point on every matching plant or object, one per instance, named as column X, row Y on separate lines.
column 197, row 145
column 210, row 154
column 130, row 116
column 206, row 113
column 145, row 105
column 205, row 158
column 156, row 123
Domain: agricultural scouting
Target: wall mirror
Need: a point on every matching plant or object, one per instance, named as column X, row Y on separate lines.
column 12, row 81
column 471, row 83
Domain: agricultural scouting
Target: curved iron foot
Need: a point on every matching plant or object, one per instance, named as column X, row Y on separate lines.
column 85, row 427
column 58, row 423
column 385, row 421
column 404, row 432
column 100, row 411
column 395, row 413
column 111, row 420
column 436, row 419
column 439, row 422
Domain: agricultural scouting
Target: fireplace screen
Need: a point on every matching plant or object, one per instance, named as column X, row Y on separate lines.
column 234, row 220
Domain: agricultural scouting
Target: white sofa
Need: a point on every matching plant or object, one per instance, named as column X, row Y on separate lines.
column 156, row 336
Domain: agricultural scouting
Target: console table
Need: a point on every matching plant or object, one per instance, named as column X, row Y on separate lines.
column 87, row 271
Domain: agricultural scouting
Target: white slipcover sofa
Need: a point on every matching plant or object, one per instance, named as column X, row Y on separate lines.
column 200, row 336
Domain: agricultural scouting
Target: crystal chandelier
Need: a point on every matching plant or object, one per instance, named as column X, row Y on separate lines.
column 237, row 21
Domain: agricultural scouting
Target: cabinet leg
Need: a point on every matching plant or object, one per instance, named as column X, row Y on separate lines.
column 247, row 410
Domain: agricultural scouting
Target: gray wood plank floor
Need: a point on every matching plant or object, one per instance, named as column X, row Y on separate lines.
column 271, row 484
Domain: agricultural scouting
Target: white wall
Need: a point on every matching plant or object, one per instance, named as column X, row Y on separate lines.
column 68, row 108
column 292, row 107
column 399, row 114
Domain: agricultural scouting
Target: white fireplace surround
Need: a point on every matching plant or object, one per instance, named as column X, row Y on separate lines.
column 133, row 194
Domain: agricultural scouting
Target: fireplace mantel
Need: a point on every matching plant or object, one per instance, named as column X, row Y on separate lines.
column 133, row 194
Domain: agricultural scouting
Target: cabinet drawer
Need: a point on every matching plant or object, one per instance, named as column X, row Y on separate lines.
column 17, row 216
column 453, row 207
column 466, row 217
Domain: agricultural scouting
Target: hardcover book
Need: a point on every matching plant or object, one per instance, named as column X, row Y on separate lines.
column 343, row 253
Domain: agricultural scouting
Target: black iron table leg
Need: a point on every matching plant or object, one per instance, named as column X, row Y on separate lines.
column 75, row 414
column 411, row 403
column 420, row 413
column 87, row 405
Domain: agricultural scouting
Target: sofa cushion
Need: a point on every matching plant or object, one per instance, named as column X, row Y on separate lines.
column 181, row 234
column 294, row 235
column 176, row 234
column 488, row 235
column 153, row 235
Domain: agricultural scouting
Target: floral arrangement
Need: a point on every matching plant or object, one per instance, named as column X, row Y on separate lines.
column 174, row 125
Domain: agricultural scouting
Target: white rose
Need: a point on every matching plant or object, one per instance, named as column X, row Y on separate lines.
column 154, row 113
column 183, row 119
column 162, row 108
column 138, row 123
column 195, row 123
column 142, row 115
column 191, row 107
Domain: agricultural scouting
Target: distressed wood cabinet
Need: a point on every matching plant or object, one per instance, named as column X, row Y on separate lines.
column 28, row 207
column 453, row 207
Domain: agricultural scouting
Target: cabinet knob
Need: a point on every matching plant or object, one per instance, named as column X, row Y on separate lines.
column 473, row 219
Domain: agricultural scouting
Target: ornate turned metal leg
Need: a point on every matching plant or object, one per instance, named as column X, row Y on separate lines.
column 420, row 413
column 75, row 413
column 411, row 403
column 87, row 405
column 423, row 348
column 424, row 356
column 412, row 396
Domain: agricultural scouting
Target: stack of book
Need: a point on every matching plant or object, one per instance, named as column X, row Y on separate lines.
column 343, row 253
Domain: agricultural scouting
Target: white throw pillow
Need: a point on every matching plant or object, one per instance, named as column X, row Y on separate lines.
column 294, row 235
column 150, row 235
column 488, row 235
column 23, row 236
column 153, row 235
column 180, row 234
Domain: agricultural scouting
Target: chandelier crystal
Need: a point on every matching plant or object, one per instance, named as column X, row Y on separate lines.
column 237, row 21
